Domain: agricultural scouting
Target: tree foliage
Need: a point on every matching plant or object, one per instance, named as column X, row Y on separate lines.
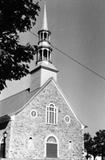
column 16, row 16
column 95, row 146
column 100, row 141
column 88, row 144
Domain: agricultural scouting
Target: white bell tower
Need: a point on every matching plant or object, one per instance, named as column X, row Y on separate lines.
column 44, row 68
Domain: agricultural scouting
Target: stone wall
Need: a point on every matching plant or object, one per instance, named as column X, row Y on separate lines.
column 24, row 127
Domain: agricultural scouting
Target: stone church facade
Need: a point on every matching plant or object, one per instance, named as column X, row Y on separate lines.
column 44, row 125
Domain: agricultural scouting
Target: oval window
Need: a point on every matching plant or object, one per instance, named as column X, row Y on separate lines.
column 67, row 119
column 33, row 113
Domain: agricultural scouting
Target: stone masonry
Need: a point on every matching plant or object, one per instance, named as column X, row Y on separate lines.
column 24, row 127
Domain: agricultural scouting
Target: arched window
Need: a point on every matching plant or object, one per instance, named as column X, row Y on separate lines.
column 45, row 54
column 52, row 116
column 45, row 35
column 41, row 35
column 40, row 55
column 49, row 55
column 51, row 147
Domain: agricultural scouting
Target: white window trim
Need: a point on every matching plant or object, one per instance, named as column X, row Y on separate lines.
column 69, row 119
column 54, row 115
column 31, row 114
column 45, row 142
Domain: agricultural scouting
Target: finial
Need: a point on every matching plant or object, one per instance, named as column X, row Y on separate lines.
column 45, row 25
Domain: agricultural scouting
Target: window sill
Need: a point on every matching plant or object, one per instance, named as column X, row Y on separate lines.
column 51, row 124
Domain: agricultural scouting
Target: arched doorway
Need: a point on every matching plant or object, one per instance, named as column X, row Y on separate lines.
column 51, row 147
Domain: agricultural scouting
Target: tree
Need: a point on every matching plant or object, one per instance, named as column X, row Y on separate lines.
column 88, row 142
column 100, row 142
column 94, row 149
column 95, row 146
column 16, row 16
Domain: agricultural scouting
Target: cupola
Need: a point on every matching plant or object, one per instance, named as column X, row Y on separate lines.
column 44, row 47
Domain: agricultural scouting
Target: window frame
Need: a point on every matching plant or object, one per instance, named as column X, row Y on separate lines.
column 69, row 119
column 35, row 114
column 57, row 143
column 51, row 119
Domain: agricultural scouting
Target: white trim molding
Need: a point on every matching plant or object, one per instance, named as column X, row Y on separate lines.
column 60, row 91
column 67, row 119
column 33, row 113
column 54, row 119
column 45, row 142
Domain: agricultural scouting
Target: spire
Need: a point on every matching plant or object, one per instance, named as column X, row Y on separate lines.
column 44, row 68
column 44, row 47
column 45, row 25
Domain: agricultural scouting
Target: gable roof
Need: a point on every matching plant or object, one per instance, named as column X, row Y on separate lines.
column 18, row 102
column 32, row 96
column 13, row 103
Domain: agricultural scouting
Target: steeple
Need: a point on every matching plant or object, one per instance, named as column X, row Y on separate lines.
column 45, row 24
column 44, row 68
column 44, row 47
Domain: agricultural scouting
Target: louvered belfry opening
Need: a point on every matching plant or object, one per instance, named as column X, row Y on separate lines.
column 44, row 50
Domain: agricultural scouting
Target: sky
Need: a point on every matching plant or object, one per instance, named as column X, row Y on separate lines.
column 78, row 29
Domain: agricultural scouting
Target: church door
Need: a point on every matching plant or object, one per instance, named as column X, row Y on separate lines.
column 51, row 147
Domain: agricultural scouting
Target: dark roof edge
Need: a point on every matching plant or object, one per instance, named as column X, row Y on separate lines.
column 27, row 89
column 39, row 67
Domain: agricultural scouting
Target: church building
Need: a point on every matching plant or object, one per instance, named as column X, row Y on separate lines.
column 42, row 125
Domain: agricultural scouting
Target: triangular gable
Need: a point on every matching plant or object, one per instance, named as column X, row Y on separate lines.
column 39, row 90
column 68, row 104
column 59, row 90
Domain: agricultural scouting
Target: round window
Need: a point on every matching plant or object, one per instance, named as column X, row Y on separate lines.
column 67, row 119
column 33, row 113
